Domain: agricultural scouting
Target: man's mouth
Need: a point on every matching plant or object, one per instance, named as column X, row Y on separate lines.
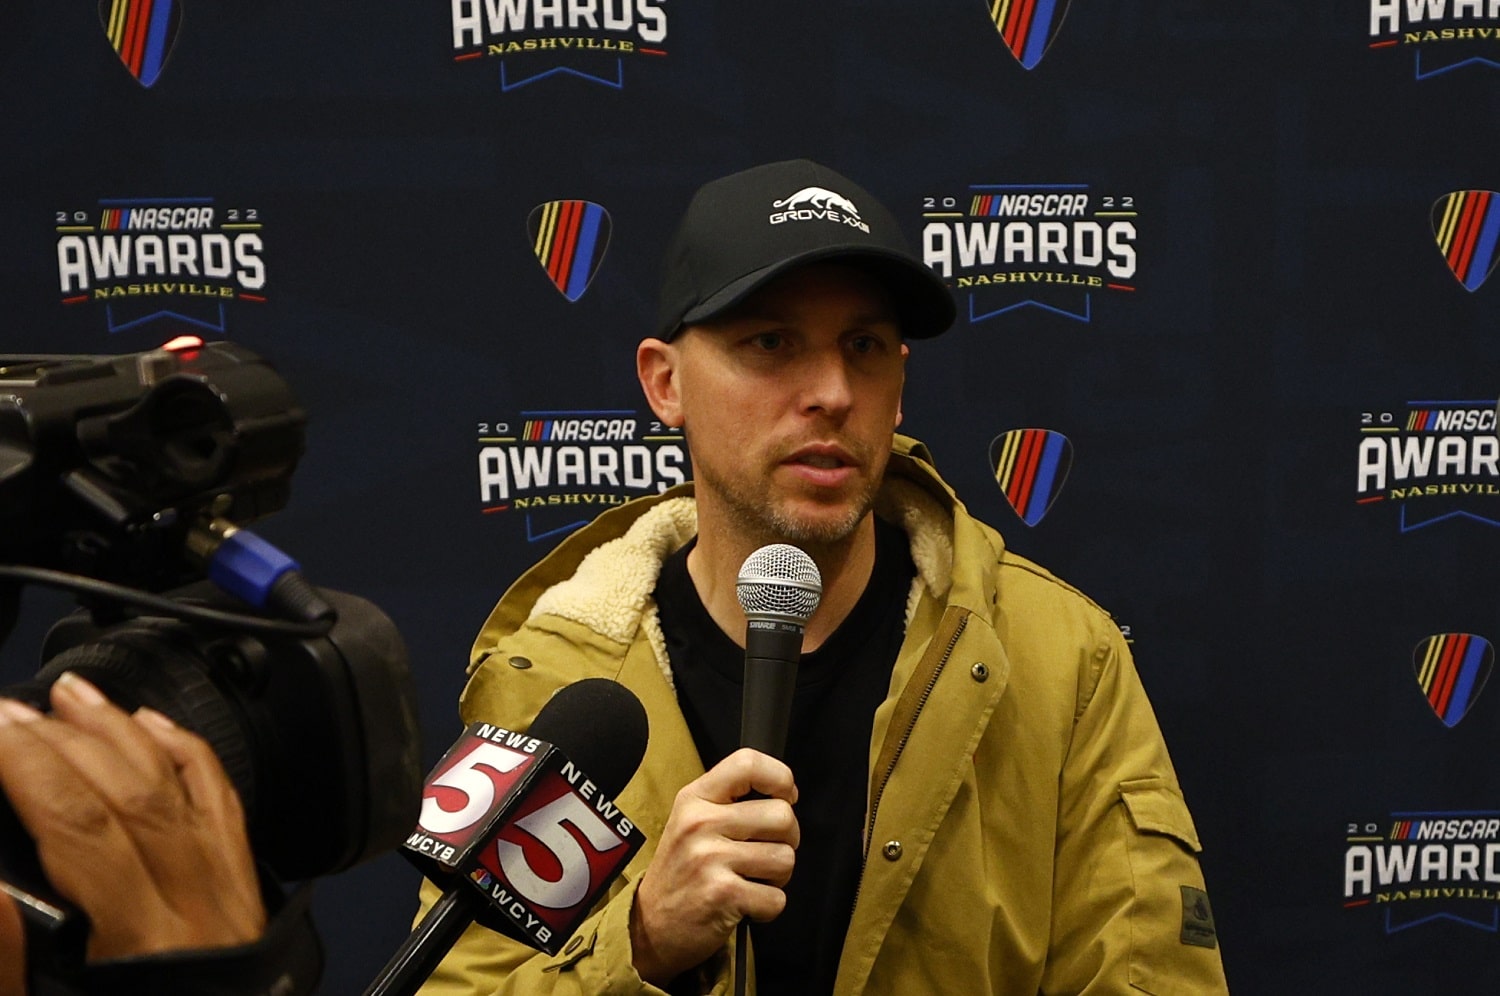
column 825, row 461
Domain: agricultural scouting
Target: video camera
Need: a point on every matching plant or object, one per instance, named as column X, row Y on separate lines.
column 127, row 479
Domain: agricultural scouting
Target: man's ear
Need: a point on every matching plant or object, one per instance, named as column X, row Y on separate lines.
column 656, row 367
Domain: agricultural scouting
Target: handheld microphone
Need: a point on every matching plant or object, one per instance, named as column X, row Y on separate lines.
column 520, row 829
column 778, row 588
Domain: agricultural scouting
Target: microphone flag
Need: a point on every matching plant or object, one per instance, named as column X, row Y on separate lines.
column 534, row 834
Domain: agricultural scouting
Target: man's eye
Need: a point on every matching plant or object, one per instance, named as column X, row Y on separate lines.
column 864, row 344
column 767, row 340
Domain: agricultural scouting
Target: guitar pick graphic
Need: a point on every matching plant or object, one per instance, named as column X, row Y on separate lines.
column 1467, row 226
column 1028, row 26
column 569, row 239
column 1030, row 466
column 1452, row 669
column 142, row 33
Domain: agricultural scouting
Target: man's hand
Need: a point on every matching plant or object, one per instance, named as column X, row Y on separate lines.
column 134, row 820
column 719, row 861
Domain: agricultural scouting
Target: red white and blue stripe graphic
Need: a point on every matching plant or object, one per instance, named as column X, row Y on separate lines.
column 985, row 206
column 1452, row 669
column 1405, row 829
column 1031, row 466
column 539, row 430
column 1028, row 26
column 569, row 239
column 1420, row 419
column 1467, row 226
column 142, row 33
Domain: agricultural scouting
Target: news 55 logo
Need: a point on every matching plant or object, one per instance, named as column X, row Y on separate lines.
column 527, row 828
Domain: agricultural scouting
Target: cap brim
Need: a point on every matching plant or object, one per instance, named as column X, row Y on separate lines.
column 924, row 305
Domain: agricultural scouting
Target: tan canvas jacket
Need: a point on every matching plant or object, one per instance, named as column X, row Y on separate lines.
column 1025, row 830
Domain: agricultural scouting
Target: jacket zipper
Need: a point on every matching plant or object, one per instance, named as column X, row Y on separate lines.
column 890, row 769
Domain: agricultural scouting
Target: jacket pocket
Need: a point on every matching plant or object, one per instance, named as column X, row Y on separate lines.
column 1172, row 940
column 1156, row 807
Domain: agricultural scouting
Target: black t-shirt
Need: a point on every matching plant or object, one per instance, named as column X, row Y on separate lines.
column 828, row 743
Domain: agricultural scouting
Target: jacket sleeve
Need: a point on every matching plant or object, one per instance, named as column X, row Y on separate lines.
column 1130, row 910
column 598, row 958
column 596, row 961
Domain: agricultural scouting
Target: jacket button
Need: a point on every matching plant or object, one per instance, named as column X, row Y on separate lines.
column 520, row 663
column 980, row 672
column 892, row 850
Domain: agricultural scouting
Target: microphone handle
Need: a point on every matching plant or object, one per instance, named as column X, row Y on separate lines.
column 772, row 649
column 426, row 945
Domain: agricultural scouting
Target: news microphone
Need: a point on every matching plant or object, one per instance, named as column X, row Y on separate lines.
column 778, row 587
column 521, row 830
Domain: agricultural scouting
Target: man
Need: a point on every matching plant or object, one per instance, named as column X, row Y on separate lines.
column 976, row 797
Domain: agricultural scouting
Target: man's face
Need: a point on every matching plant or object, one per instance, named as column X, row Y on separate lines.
column 788, row 404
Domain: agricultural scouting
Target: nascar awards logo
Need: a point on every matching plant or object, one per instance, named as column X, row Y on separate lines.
column 1442, row 35
column 561, row 468
column 1048, row 246
column 144, row 259
column 1028, row 27
column 534, row 39
column 142, row 33
column 1435, row 460
column 1420, row 867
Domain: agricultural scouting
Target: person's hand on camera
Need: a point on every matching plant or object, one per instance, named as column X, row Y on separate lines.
column 135, row 822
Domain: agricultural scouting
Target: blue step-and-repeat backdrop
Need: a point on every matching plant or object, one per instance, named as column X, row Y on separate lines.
column 1226, row 265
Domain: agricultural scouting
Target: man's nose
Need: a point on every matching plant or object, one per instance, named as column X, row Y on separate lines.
column 827, row 385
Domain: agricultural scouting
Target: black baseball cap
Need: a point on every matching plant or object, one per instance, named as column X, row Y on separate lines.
column 743, row 230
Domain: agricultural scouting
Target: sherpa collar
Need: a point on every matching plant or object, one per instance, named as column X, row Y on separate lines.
column 610, row 592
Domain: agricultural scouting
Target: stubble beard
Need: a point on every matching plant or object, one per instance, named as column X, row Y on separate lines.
column 761, row 520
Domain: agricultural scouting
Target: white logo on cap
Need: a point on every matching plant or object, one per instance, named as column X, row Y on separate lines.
column 818, row 203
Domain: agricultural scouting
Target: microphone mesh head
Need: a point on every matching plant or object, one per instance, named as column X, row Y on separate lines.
column 781, row 582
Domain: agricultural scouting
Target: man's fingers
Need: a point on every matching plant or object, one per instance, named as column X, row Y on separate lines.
column 100, row 740
column 100, row 790
column 198, row 768
column 746, row 772
column 70, row 822
column 30, row 766
column 124, row 771
column 762, row 862
column 759, row 819
column 763, row 902
column 221, row 816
